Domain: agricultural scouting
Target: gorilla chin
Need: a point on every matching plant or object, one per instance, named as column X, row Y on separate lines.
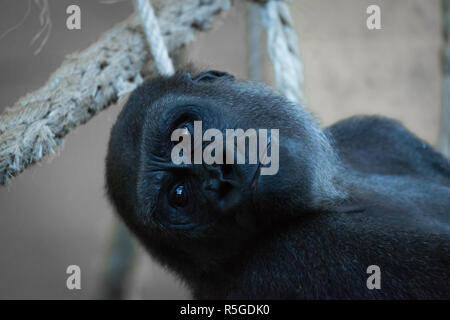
column 338, row 204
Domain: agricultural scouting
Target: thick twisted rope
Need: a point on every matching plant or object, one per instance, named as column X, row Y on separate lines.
column 154, row 38
column 282, row 46
column 91, row 80
column 444, row 132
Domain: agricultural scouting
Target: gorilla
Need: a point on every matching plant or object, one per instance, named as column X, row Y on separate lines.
column 359, row 193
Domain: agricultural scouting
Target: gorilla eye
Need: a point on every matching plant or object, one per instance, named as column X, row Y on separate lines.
column 178, row 196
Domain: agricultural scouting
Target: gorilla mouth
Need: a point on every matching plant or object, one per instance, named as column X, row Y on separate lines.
column 253, row 186
column 255, row 178
column 254, row 181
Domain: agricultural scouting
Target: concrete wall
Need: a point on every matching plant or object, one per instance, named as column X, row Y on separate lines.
column 56, row 214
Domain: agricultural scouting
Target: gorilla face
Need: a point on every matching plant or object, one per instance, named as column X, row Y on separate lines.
column 220, row 202
column 189, row 197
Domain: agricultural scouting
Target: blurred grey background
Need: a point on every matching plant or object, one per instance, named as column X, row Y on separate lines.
column 56, row 214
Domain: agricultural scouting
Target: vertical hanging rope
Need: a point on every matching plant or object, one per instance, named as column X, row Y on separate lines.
column 154, row 38
column 444, row 132
column 255, row 42
column 282, row 46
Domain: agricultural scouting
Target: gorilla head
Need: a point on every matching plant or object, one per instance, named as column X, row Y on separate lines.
column 213, row 204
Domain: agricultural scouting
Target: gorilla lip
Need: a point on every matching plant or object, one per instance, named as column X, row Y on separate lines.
column 255, row 178
column 258, row 169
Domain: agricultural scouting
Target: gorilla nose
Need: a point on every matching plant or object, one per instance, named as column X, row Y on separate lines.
column 212, row 185
column 220, row 187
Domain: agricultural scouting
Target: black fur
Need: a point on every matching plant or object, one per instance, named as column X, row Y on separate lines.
column 362, row 192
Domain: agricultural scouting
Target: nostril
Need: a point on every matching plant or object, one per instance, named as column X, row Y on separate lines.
column 212, row 185
column 217, row 190
column 227, row 171
column 224, row 189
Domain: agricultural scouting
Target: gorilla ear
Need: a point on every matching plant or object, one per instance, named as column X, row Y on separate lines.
column 212, row 75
